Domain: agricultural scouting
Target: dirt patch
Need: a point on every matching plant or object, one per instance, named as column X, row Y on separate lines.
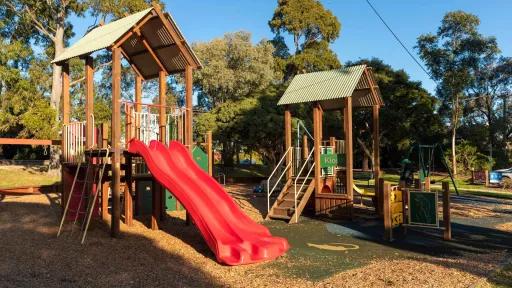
column 472, row 211
column 433, row 272
column 177, row 256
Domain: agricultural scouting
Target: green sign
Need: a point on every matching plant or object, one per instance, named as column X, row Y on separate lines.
column 201, row 158
column 332, row 160
column 423, row 208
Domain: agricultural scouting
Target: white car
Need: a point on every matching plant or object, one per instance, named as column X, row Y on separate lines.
column 505, row 172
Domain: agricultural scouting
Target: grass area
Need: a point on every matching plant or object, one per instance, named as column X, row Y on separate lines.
column 243, row 171
column 21, row 177
column 463, row 185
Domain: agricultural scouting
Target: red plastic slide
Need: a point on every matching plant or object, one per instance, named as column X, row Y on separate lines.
column 232, row 236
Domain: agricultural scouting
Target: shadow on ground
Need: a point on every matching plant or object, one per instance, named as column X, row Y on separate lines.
column 32, row 256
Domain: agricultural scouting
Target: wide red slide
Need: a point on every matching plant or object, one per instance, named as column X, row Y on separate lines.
column 233, row 237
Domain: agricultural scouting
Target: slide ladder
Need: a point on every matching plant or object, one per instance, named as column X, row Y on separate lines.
column 82, row 199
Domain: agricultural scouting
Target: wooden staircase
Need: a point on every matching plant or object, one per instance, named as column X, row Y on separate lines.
column 284, row 206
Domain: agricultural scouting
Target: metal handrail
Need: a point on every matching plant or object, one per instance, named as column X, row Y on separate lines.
column 269, row 192
column 297, row 178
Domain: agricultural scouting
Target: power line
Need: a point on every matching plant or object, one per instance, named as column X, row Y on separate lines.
column 400, row 41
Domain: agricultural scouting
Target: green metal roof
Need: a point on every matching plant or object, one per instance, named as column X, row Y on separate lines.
column 324, row 85
column 102, row 37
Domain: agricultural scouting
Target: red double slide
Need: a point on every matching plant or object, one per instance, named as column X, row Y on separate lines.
column 233, row 237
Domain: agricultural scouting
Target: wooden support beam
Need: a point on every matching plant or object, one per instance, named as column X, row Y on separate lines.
column 209, row 150
column 138, row 101
column 376, row 154
column 128, row 59
column 65, row 93
column 138, row 93
column 128, row 201
column 151, row 51
column 116, row 143
column 174, row 35
column 388, row 229
column 188, row 108
column 316, row 152
column 348, row 147
column 305, row 148
column 35, row 142
column 162, row 90
column 288, row 139
column 447, row 235
column 89, row 102
column 128, row 34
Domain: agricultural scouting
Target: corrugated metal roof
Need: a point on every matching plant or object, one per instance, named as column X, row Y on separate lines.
column 324, row 85
column 102, row 37
column 159, row 31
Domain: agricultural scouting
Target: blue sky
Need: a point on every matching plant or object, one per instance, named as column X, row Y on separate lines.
column 362, row 33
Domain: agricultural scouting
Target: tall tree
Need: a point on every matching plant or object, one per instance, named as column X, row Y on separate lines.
column 451, row 56
column 313, row 27
column 43, row 23
column 233, row 68
column 489, row 92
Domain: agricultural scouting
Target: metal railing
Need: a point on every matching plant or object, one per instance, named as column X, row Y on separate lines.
column 304, row 165
column 288, row 153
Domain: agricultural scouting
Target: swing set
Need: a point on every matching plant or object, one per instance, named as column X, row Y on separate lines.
column 426, row 164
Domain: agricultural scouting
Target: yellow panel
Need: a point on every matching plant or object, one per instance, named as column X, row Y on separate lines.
column 397, row 219
column 396, row 196
column 396, row 208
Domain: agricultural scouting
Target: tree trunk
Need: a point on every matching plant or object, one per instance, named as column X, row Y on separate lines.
column 54, row 167
column 454, row 160
column 365, row 162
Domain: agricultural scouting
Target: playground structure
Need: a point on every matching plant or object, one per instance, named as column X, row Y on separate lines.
column 414, row 207
column 426, row 165
column 323, row 174
column 95, row 165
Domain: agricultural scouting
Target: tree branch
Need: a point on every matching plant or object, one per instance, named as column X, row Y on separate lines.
column 74, row 82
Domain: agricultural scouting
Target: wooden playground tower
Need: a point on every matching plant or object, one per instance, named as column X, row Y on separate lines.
column 303, row 170
column 151, row 42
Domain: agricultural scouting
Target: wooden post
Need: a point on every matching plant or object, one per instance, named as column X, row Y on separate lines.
column 447, row 235
column 188, row 107
column 486, row 178
column 388, row 229
column 305, row 148
column 288, row 139
column 105, row 185
column 348, row 147
column 209, row 150
column 89, row 102
column 162, row 90
column 316, row 153
column 65, row 120
column 380, row 205
column 116, row 142
column 128, row 201
column 188, row 117
column 376, row 151
column 427, row 184
column 138, row 105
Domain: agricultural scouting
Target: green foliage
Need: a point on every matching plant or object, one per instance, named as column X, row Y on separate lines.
column 407, row 117
column 117, row 8
column 313, row 27
column 307, row 20
column 254, row 122
column 233, row 68
column 468, row 158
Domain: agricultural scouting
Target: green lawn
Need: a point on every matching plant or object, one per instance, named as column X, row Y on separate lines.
column 463, row 185
column 17, row 177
